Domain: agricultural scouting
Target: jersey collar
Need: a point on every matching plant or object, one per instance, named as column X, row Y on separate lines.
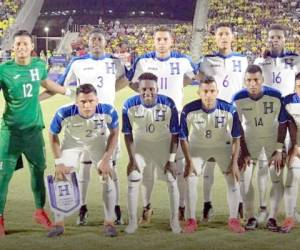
column 228, row 56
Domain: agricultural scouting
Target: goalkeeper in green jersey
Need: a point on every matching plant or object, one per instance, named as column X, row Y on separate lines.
column 22, row 122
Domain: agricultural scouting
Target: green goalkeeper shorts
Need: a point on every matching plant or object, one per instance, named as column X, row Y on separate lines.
column 15, row 143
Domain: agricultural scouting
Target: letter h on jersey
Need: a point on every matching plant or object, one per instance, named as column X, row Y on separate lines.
column 175, row 70
column 110, row 68
column 237, row 66
column 268, row 109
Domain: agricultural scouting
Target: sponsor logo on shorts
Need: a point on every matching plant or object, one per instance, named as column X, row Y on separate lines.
column 247, row 109
column 215, row 65
column 88, row 68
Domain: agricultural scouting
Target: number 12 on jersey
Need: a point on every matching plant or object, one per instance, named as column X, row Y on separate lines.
column 27, row 90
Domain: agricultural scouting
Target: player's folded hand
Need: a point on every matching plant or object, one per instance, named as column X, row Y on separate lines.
column 132, row 165
column 171, row 167
column 60, row 171
column 189, row 169
column 104, row 168
column 277, row 161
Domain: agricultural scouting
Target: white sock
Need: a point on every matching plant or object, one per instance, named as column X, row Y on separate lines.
column 233, row 195
column 262, row 181
column 133, row 194
column 208, row 180
column 58, row 218
column 83, row 181
column 248, row 198
column 116, row 183
column 192, row 196
column 291, row 189
column 181, row 182
column 147, row 185
column 173, row 199
column 276, row 193
column 109, row 199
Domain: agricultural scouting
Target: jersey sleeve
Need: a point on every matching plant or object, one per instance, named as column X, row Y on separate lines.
column 114, row 119
column 184, row 131
column 283, row 114
column 56, row 123
column 174, row 122
column 236, row 128
column 135, row 71
column 68, row 77
column 126, row 125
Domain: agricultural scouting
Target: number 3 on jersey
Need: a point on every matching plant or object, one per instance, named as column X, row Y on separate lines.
column 27, row 90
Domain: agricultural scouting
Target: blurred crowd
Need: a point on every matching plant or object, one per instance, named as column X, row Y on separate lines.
column 8, row 11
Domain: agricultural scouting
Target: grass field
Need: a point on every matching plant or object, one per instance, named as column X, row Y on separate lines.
column 23, row 233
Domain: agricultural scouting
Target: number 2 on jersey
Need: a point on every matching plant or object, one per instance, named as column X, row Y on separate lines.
column 27, row 90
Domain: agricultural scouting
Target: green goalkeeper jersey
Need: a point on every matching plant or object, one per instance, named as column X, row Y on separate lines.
column 21, row 86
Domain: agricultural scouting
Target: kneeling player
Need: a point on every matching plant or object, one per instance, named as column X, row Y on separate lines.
column 264, row 120
column 210, row 129
column 85, row 125
column 292, row 106
column 150, row 125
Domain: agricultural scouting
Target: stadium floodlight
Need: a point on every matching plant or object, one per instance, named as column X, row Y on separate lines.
column 46, row 29
column 62, row 32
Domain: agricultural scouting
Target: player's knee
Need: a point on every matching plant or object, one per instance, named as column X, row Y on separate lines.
column 134, row 176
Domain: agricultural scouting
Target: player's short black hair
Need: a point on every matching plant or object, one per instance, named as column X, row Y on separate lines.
column 277, row 26
column 22, row 33
column 208, row 80
column 86, row 88
column 163, row 28
column 96, row 31
column 223, row 24
column 297, row 77
column 147, row 76
column 252, row 69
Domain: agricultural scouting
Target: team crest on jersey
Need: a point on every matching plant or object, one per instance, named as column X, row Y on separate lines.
column 200, row 121
column 64, row 196
column 220, row 121
column 268, row 107
column 160, row 114
column 139, row 112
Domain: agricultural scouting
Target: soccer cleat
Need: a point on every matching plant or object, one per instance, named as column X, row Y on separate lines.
column 110, row 230
column 272, row 225
column 146, row 216
column 287, row 225
column 131, row 228
column 181, row 214
column 241, row 211
column 57, row 230
column 252, row 224
column 175, row 226
column 41, row 217
column 262, row 215
column 83, row 216
column 207, row 211
column 2, row 228
column 190, row 226
column 119, row 220
column 234, row 225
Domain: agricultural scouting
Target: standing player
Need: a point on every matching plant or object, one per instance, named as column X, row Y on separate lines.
column 279, row 68
column 263, row 120
column 228, row 69
column 107, row 74
column 207, row 127
column 150, row 125
column 174, row 71
column 86, row 123
column 22, row 122
column 292, row 106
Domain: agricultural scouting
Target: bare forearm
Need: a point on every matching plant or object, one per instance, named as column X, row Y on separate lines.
column 53, row 87
column 235, row 149
column 111, row 143
column 129, row 145
column 282, row 129
column 55, row 145
column 174, row 144
column 45, row 95
column 185, row 149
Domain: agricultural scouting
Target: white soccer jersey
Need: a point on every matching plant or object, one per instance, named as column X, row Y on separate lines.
column 102, row 72
column 279, row 72
column 170, row 72
column 209, row 128
column 228, row 71
column 80, row 132
column 260, row 118
column 153, row 123
column 292, row 106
